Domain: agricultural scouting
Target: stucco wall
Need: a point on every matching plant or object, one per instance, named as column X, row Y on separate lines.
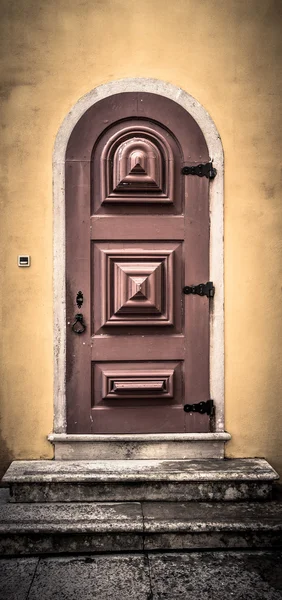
column 227, row 54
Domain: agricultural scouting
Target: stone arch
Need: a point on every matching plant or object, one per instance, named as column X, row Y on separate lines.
column 214, row 144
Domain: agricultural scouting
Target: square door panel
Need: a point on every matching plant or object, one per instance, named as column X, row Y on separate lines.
column 135, row 284
column 132, row 383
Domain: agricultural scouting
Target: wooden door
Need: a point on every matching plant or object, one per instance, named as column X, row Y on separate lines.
column 137, row 232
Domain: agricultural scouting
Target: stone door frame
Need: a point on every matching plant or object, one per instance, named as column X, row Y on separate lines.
column 214, row 144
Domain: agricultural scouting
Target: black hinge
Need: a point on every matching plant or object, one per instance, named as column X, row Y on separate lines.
column 202, row 170
column 203, row 289
column 204, row 408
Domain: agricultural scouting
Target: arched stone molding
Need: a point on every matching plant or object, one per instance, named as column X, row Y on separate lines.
column 216, row 241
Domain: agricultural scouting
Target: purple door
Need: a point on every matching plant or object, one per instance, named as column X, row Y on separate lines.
column 137, row 232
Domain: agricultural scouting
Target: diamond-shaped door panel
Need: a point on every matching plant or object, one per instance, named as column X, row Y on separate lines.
column 136, row 285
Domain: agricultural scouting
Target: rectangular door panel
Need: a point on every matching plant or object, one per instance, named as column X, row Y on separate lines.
column 119, row 383
column 139, row 419
column 145, row 347
column 116, row 227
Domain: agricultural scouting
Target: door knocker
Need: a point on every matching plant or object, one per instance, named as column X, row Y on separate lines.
column 80, row 321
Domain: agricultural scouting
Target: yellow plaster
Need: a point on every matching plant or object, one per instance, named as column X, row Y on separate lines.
column 227, row 54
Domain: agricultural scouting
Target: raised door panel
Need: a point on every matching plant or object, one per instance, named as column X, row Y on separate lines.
column 134, row 286
column 134, row 168
column 138, row 393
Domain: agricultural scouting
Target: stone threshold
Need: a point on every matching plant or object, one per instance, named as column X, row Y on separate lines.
column 139, row 446
column 110, row 527
column 139, row 437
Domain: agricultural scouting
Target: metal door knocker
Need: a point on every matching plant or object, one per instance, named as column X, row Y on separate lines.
column 82, row 326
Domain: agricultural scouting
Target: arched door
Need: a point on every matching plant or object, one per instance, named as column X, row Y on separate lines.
column 137, row 231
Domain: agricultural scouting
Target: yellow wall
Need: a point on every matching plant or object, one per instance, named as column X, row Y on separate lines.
column 225, row 53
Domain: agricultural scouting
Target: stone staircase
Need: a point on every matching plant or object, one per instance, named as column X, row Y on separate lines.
column 70, row 507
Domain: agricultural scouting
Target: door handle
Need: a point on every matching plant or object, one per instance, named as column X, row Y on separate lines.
column 80, row 321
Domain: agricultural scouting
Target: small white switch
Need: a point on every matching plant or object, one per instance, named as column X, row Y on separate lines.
column 23, row 260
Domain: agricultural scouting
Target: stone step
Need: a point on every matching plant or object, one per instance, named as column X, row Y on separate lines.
column 52, row 528
column 140, row 480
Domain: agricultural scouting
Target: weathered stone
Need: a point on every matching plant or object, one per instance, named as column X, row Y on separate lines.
column 16, row 576
column 67, row 518
column 138, row 450
column 140, row 480
column 199, row 516
column 169, row 525
column 66, row 528
column 209, row 540
column 137, row 446
column 103, row 577
column 89, row 527
column 4, row 495
column 134, row 491
column 246, row 469
column 70, row 543
column 174, row 576
column 216, row 576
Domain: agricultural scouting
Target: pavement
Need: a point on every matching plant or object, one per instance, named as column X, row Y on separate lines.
column 173, row 576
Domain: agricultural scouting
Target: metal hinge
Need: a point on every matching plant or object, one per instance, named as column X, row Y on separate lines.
column 202, row 170
column 203, row 289
column 204, row 408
